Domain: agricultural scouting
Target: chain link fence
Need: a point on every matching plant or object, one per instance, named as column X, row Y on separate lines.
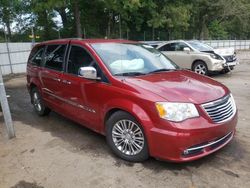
column 236, row 44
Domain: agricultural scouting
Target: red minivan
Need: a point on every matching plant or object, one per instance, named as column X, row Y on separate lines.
column 133, row 94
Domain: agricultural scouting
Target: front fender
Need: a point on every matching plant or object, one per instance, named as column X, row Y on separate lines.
column 134, row 109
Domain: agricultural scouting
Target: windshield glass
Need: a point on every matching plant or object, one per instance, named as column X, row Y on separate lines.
column 132, row 59
column 200, row 46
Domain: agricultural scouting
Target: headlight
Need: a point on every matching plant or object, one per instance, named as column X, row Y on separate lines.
column 216, row 56
column 213, row 56
column 176, row 111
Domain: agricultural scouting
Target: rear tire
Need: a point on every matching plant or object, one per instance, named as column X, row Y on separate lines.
column 200, row 67
column 38, row 103
column 126, row 137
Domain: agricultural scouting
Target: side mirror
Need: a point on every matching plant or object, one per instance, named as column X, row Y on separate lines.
column 88, row 72
column 186, row 49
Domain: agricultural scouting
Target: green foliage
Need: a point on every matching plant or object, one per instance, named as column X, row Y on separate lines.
column 217, row 31
column 137, row 19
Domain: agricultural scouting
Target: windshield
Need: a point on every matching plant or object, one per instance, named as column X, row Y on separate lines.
column 200, row 46
column 132, row 59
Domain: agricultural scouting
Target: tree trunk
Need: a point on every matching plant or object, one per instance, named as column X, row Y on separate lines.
column 47, row 28
column 8, row 30
column 204, row 33
column 77, row 19
column 63, row 15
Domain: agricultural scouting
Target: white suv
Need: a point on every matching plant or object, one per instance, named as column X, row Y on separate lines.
column 197, row 56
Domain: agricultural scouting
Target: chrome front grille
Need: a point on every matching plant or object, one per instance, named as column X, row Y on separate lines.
column 230, row 58
column 221, row 110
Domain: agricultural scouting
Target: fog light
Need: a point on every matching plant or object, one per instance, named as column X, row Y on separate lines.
column 185, row 152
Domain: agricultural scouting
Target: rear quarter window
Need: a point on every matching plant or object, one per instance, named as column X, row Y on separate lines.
column 36, row 55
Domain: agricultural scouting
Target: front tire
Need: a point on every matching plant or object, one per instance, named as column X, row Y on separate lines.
column 38, row 103
column 126, row 137
column 200, row 67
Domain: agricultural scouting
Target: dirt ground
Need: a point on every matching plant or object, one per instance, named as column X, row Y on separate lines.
column 53, row 152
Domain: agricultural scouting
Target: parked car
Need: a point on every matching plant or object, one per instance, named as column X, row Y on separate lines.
column 229, row 54
column 133, row 94
column 198, row 56
column 154, row 44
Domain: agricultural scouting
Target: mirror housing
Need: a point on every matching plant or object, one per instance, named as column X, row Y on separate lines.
column 186, row 49
column 88, row 73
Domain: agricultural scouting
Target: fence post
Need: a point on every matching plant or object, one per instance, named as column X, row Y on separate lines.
column 6, row 110
column 8, row 50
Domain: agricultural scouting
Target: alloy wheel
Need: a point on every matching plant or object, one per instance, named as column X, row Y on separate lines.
column 200, row 69
column 37, row 101
column 128, row 137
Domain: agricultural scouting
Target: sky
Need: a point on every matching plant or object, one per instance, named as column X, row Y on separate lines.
column 57, row 19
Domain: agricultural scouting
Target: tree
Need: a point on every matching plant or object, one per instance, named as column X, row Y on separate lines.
column 136, row 19
column 8, row 13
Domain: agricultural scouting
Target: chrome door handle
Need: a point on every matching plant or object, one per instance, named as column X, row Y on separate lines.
column 66, row 82
column 56, row 79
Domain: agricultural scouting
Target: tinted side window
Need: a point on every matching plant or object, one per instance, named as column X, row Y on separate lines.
column 36, row 55
column 54, row 56
column 78, row 57
column 168, row 47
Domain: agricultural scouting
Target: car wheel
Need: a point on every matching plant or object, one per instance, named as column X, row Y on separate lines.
column 38, row 103
column 200, row 68
column 126, row 137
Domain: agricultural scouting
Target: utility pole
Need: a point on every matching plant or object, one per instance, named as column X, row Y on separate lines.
column 120, row 26
column 33, row 36
column 6, row 109
column 8, row 49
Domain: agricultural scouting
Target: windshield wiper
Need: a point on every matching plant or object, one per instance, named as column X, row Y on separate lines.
column 161, row 70
column 130, row 74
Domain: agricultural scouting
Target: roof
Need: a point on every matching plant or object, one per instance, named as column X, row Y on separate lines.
column 90, row 41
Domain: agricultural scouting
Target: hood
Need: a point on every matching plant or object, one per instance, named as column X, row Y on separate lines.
column 224, row 51
column 180, row 86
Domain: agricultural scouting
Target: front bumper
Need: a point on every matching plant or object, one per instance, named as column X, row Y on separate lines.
column 231, row 64
column 173, row 145
column 217, row 65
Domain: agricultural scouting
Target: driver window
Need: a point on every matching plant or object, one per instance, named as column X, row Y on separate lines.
column 179, row 46
column 168, row 47
column 79, row 57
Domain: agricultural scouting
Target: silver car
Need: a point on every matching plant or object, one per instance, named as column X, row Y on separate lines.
column 197, row 56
